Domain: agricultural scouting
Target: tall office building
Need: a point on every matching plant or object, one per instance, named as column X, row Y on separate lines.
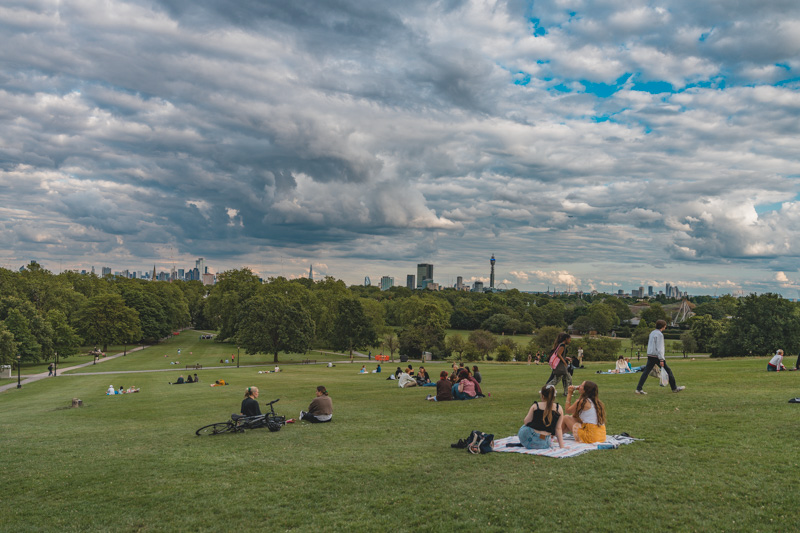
column 460, row 283
column 491, row 276
column 106, row 271
column 424, row 274
column 311, row 272
column 668, row 291
column 410, row 281
column 477, row 286
column 367, row 281
column 200, row 265
column 387, row 282
column 649, row 290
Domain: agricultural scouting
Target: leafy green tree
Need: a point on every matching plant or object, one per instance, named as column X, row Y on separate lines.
column 621, row 309
column 8, row 347
column 226, row 297
column 326, row 295
column 641, row 335
column 688, row 343
column 390, row 344
column 654, row 313
column 544, row 338
column 705, row 332
column 496, row 323
column 455, row 344
column 483, row 340
column 376, row 314
column 352, row 329
column 553, row 314
column 602, row 317
column 763, row 324
column 65, row 340
column 504, row 353
column 426, row 331
column 274, row 322
column 105, row 319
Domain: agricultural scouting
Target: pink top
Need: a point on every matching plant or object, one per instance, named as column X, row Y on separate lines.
column 469, row 387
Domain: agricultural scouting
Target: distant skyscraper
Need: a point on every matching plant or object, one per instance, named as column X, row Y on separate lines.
column 491, row 276
column 410, row 282
column 181, row 273
column 200, row 265
column 105, row 271
column 367, row 282
column 649, row 290
column 92, row 269
column 387, row 283
column 459, row 282
column 424, row 273
column 477, row 286
column 311, row 272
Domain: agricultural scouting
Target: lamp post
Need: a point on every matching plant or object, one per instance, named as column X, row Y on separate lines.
column 237, row 357
column 19, row 381
column 55, row 367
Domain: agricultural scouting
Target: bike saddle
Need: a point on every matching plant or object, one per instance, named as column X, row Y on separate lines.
column 237, row 417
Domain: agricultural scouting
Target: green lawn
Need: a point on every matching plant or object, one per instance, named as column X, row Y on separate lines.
column 717, row 457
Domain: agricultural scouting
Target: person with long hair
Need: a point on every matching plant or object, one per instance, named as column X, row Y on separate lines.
column 250, row 403
column 321, row 408
column 444, row 392
column 586, row 418
column 542, row 422
column 561, row 371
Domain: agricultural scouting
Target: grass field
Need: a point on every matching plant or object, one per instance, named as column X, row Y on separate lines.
column 718, row 456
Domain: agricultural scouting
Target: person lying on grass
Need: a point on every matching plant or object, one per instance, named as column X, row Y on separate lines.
column 219, row 383
column 542, row 422
column 250, row 403
column 444, row 389
column 586, row 418
column 321, row 408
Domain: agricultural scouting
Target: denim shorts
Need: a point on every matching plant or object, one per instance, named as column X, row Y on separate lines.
column 530, row 439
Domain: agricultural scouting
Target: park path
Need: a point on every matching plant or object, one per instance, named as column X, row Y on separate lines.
column 30, row 378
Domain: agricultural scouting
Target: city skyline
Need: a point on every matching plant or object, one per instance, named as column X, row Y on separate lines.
column 597, row 146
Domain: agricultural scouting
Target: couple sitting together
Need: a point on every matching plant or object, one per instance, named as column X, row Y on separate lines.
column 465, row 387
column 406, row 378
column 585, row 419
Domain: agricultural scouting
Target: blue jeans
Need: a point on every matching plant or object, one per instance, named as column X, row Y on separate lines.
column 771, row 368
column 530, row 439
column 461, row 395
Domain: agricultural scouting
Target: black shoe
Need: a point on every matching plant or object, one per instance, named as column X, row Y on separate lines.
column 460, row 444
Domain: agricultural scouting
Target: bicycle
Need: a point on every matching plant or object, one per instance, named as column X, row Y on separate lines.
column 239, row 423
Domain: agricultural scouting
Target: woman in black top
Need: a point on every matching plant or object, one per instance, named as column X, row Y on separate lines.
column 542, row 422
column 250, row 404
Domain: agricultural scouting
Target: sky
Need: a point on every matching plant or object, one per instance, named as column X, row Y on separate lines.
column 594, row 145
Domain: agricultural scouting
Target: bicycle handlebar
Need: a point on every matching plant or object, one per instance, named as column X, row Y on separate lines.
column 273, row 401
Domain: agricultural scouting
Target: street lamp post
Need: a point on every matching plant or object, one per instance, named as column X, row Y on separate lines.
column 55, row 367
column 237, row 357
column 19, row 381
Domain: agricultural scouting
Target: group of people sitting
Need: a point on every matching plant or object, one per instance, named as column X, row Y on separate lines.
column 364, row 369
column 181, row 381
column 122, row 390
column 320, row 410
column 461, row 384
column 585, row 419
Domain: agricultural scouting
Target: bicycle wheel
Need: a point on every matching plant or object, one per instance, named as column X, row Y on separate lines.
column 215, row 429
column 274, row 423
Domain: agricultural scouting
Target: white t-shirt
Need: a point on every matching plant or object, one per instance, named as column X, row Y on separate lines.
column 589, row 416
column 776, row 360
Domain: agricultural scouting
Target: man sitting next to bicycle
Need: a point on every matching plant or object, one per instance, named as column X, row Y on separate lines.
column 321, row 408
column 250, row 404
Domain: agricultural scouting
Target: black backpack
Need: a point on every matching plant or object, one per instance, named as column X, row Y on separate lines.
column 480, row 442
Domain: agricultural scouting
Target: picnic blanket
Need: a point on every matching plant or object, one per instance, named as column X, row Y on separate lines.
column 572, row 447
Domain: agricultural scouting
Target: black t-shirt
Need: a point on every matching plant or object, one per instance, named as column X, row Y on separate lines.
column 538, row 422
column 250, row 407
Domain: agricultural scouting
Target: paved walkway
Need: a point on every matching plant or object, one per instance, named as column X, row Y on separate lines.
column 30, row 378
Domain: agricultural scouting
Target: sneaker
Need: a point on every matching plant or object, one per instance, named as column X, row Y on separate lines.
column 679, row 389
column 640, row 391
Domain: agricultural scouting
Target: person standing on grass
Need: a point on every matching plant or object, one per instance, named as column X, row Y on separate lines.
column 561, row 371
column 655, row 356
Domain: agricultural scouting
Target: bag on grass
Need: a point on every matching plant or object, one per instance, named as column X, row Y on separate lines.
column 480, row 442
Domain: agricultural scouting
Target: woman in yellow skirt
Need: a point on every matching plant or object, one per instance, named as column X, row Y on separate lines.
column 586, row 418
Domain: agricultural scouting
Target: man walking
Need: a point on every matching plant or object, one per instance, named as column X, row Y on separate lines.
column 655, row 356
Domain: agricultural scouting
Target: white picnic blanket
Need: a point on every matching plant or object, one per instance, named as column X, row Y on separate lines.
column 572, row 448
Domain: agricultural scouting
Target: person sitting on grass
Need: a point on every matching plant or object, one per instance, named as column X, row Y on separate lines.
column 189, row 379
column 406, row 380
column 111, row 390
column 586, row 418
column 444, row 389
column 377, row 370
column 464, row 389
column 321, row 408
column 776, row 363
column 363, row 369
column 422, row 377
column 476, row 374
column 250, row 403
column 542, row 422
column 621, row 366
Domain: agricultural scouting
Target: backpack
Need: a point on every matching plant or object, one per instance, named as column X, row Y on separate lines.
column 480, row 442
column 555, row 359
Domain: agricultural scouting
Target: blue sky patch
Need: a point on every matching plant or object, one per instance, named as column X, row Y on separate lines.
column 652, row 87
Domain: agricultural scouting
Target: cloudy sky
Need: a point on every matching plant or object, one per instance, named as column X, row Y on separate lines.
column 592, row 144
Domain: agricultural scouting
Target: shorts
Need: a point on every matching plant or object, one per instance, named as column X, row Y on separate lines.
column 532, row 440
column 589, row 433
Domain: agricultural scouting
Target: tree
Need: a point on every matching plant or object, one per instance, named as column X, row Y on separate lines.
column 391, row 344
column 762, row 324
column 226, row 297
column 352, row 330
column 105, row 319
column 272, row 323
column 504, row 353
column 455, row 344
column 65, row 341
column 641, row 335
column 496, row 323
column 654, row 313
column 688, row 343
column 545, row 337
column 426, row 332
column 8, row 347
column 483, row 340
column 602, row 317
column 705, row 331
